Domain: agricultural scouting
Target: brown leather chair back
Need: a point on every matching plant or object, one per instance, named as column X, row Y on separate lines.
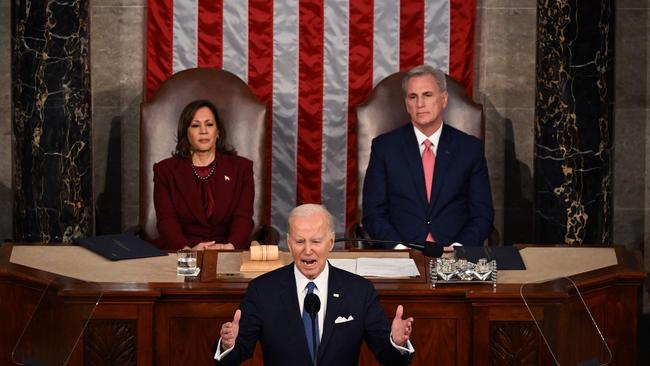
column 242, row 114
column 385, row 110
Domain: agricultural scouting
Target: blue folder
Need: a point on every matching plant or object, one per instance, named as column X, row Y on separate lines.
column 120, row 246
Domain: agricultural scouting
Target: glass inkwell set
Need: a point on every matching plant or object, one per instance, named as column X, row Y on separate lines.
column 450, row 269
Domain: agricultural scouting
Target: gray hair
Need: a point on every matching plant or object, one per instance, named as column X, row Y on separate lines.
column 422, row 70
column 312, row 209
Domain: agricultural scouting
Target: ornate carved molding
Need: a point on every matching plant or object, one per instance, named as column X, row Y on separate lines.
column 110, row 342
column 514, row 343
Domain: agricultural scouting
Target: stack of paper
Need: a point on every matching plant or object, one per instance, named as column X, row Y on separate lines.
column 378, row 267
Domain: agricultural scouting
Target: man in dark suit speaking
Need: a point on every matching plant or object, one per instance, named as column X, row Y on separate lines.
column 272, row 309
column 427, row 180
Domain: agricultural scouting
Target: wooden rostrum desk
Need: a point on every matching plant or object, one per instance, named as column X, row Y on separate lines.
column 176, row 323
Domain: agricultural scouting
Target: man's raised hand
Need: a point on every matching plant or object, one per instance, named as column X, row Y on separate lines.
column 401, row 328
column 229, row 332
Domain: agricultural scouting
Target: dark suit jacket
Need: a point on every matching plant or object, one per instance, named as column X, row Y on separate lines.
column 179, row 207
column 394, row 196
column 271, row 314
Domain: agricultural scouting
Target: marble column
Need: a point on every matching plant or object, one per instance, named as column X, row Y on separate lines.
column 52, row 174
column 574, row 121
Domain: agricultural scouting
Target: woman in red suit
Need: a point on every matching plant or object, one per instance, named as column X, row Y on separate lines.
column 204, row 193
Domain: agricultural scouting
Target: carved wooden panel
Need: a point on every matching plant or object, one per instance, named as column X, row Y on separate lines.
column 110, row 342
column 514, row 343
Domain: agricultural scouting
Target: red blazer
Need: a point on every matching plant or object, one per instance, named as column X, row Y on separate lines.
column 179, row 210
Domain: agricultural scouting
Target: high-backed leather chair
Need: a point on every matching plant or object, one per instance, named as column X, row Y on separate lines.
column 385, row 110
column 243, row 117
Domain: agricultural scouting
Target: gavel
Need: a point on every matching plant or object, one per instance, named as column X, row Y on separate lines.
column 263, row 252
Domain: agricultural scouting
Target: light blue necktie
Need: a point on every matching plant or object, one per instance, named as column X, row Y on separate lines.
column 306, row 321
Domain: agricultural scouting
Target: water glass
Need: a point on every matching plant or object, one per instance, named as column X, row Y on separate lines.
column 186, row 263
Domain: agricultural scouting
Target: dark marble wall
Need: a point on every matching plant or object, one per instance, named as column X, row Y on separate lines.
column 574, row 122
column 52, row 168
column 6, row 193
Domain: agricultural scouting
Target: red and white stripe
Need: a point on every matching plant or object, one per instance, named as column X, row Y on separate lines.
column 312, row 61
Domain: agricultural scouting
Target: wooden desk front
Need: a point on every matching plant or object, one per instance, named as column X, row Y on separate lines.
column 474, row 324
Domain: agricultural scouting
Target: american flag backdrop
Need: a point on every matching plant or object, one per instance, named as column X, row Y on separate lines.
column 312, row 62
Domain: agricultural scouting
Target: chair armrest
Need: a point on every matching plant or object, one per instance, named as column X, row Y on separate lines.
column 134, row 230
column 494, row 239
column 356, row 231
column 266, row 234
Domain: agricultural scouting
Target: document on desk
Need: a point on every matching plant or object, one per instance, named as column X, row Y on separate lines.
column 387, row 267
column 346, row 264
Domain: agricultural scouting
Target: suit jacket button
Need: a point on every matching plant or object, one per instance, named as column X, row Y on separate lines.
column 428, row 222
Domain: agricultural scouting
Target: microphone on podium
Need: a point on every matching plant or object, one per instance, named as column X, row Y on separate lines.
column 428, row 248
column 312, row 306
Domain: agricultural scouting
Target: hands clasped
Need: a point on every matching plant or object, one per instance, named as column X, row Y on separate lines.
column 210, row 245
column 401, row 328
column 229, row 331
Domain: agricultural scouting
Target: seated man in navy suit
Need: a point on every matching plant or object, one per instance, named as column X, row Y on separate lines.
column 427, row 180
column 272, row 309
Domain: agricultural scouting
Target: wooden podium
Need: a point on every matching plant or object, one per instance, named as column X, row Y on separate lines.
column 176, row 322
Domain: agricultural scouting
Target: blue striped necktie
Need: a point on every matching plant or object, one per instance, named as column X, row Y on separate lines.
column 306, row 321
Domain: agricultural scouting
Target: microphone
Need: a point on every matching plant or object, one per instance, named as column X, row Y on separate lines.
column 312, row 306
column 428, row 248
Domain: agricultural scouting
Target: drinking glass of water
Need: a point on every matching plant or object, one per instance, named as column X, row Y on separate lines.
column 186, row 263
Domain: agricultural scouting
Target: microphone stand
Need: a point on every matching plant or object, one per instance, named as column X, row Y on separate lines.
column 312, row 306
column 313, row 337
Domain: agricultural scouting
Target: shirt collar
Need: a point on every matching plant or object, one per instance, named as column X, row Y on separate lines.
column 435, row 138
column 320, row 280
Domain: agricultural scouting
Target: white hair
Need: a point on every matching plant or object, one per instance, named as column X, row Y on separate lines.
column 312, row 209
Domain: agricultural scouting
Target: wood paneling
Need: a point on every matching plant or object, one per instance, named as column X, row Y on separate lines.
column 474, row 324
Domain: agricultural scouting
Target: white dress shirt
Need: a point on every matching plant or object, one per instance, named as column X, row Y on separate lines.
column 435, row 139
column 320, row 290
